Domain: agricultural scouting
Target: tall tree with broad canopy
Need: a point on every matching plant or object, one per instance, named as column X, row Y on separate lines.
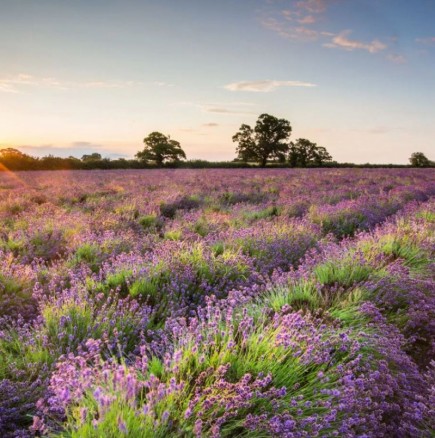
column 418, row 159
column 160, row 148
column 304, row 153
column 267, row 140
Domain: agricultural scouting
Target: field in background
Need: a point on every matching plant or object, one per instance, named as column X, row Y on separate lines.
column 249, row 302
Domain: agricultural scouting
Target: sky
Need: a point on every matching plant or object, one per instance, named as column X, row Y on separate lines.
column 354, row 76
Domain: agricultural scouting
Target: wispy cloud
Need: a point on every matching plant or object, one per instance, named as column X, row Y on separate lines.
column 13, row 84
column 304, row 20
column 292, row 32
column 308, row 19
column 228, row 108
column 396, row 58
column 376, row 130
column 343, row 42
column 306, row 11
column 210, row 125
column 313, row 6
column 265, row 86
column 102, row 84
column 428, row 41
column 163, row 84
column 21, row 82
column 222, row 108
column 297, row 22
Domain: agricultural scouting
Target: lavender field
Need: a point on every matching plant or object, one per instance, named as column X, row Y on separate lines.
column 217, row 303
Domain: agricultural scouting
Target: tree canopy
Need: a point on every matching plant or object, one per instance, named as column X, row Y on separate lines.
column 92, row 157
column 160, row 148
column 12, row 154
column 14, row 159
column 304, row 153
column 418, row 159
column 267, row 140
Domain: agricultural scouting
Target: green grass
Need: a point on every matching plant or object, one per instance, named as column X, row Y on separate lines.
column 218, row 248
column 201, row 227
column 67, row 326
column 149, row 222
column 301, row 295
column 426, row 215
column 16, row 246
column 13, row 292
column 13, row 208
column 136, row 425
column 225, row 264
column 29, row 358
column 115, row 281
column 145, row 287
column 10, row 286
column 268, row 212
column 89, row 254
column 404, row 248
column 173, row 235
column 341, row 223
column 345, row 272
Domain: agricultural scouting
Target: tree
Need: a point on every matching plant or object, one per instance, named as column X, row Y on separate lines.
column 12, row 154
column 418, row 159
column 160, row 148
column 304, row 153
column 13, row 159
column 95, row 156
column 267, row 140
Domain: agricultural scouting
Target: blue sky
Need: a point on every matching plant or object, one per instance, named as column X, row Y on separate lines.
column 355, row 76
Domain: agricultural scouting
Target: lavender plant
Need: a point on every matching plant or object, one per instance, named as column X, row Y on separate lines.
column 279, row 302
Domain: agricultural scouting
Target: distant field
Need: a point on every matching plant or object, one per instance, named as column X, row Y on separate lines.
column 217, row 303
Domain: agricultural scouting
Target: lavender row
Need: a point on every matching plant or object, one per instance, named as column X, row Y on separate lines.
column 323, row 352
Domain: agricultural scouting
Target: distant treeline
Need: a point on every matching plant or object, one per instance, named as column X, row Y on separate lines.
column 13, row 159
